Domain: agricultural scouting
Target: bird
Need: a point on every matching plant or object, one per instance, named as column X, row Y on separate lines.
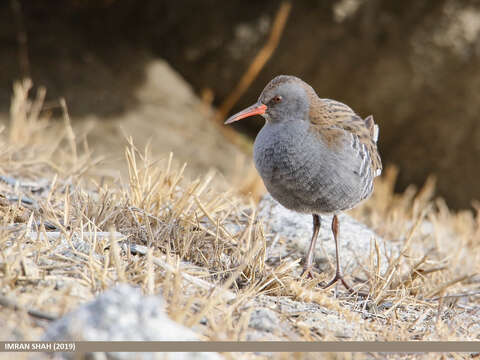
column 315, row 155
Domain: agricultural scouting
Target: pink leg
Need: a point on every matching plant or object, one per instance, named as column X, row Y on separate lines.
column 338, row 273
column 307, row 268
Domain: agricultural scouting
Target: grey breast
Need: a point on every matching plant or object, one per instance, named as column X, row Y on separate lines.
column 303, row 174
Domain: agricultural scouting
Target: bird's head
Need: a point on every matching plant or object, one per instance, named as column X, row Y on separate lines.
column 285, row 98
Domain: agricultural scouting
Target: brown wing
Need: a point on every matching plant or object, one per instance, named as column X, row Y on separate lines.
column 330, row 118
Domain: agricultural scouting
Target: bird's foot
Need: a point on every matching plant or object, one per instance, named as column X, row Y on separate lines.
column 339, row 277
column 307, row 273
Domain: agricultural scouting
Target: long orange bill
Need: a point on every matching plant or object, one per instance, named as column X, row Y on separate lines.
column 255, row 109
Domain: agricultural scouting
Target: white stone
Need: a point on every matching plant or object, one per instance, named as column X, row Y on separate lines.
column 355, row 239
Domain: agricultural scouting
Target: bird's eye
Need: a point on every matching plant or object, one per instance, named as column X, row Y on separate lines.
column 277, row 99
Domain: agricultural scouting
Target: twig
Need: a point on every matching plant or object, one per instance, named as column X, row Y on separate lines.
column 393, row 265
column 117, row 260
column 448, row 284
column 31, row 186
column 454, row 296
column 8, row 303
column 256, row 65
column 272, row 246
column 9, row 180
column 22, row 198
column 439, row 309
column 70, row 133
column 259, row 61
column 100, row 235
column 143, row 250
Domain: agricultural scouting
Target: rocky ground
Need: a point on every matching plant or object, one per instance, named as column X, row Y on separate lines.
column 91, row 251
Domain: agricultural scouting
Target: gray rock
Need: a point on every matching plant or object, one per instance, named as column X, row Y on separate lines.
column 354, row 239
column 264, row 319
column 123, row 314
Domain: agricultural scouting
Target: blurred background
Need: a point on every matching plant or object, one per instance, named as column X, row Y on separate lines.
column 171, row 71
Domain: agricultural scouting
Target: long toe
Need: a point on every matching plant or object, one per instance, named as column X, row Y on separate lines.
column 339, row 277
column 307, row 273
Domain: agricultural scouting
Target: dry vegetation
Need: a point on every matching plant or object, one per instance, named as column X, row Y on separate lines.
column 67, row 234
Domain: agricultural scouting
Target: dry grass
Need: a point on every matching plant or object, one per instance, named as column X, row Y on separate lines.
column 67, row 235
